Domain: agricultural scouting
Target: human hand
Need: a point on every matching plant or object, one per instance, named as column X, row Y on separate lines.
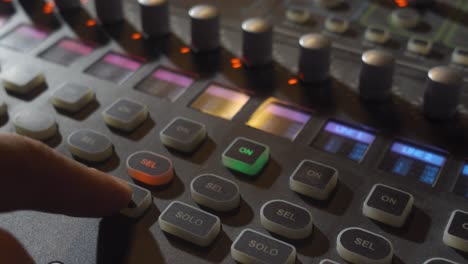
column 35, row 177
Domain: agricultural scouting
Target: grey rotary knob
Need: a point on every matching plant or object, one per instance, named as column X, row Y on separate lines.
column 314, row 58
column 66, row 5
column 109, row 11
column 376, row 78
column 155, row 17
column 443, row 90
column 204, row 27
column 257, row 45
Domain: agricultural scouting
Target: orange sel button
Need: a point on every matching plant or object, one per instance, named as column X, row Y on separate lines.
column 150, row 168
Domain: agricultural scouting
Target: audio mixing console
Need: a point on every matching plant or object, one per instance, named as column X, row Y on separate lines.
column 253, row 131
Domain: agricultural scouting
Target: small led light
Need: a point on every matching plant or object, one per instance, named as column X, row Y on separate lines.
column 236, row 63
column 401, row 3
column 184, row 50
column 293, row 81
column 91, row 23
column 49, row 7
column 136, row 36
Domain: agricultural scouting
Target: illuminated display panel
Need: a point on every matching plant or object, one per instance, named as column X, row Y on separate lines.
column 24, row 38
column 279, row 119
column 414, row 162
column 220, row 101
column 461, row 188
column 67, row 51
column 344, row 140
column 114, row 67
column 166, row 83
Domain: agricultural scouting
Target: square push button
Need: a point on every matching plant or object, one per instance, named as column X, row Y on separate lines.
column 150, row 168
column 246, row 156
column 141, row 201
column 314, row 179
column 72, row 97
column 125, row 114
column 456, row 232
column 183, row 134
column 388, row 205
column 22, row 79
column 90, row 145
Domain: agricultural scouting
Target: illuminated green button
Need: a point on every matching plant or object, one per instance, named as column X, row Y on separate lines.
column 246, row 156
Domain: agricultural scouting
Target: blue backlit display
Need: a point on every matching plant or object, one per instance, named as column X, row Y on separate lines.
column 419, row 154
column 465, row 170
column 349, row 132
column 461, row 188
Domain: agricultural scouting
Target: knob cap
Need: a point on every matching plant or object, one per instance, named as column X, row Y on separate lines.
column 204, row 27
column 155, row 17
column 257, row 45
column 66, row 5
column 443, row 90
column 314, row 58
column 109, row 11
column 376, row 78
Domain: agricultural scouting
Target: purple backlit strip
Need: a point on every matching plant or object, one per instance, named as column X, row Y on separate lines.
column 172, row 77
column 287, row 113
column 419, row 154
column 122, row 61
column 75, row 46
column 32, row 32
column 227, row 94
column 348, row 132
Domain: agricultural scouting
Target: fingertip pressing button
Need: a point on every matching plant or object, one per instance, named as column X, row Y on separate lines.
column 141, row 201
column 72, row 97
column 35, row 124
column 150, row 168
column 314, row 179
column 89, row 145
column 125, row 114
column 22, row 79
column 215, row 192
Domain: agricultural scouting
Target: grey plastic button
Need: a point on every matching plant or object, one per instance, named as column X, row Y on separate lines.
column 405, row 18
column 205, row 27
column 215, row 192
column 141, row 201
column 125, row 114
column 35, row 124
column 460, row 56
column 252, row 247
column 360, row 246
column 286, row 219
column 377, row 35
column 72, row 97
column 314, row 179
column 456, row 232
column 22, row 79
column 439, row 261
column 155, row 17
column 336, row 25
column 183, row 134
column 419, row 46
column 89, row 145
column 297, row 15
column 388, row 205
column 190, row 223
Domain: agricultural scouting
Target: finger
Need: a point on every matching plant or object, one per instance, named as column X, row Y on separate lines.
column 12, row 251
column 36, row 177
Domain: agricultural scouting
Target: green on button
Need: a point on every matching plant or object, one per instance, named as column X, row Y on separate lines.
column 246, row 156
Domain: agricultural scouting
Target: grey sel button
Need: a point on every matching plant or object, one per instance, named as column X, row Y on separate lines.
column 215, row 192
column 89, row 145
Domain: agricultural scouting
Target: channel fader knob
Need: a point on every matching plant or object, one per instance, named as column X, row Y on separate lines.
column 257, row 45
column 66, row 5
column 443, row 89
column 314, row 58
column 155, row 17
column 109, row 11
column 376, row 78
column 204, row 27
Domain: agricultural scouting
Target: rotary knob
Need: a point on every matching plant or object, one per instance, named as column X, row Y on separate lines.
column 204, row 27
column 257, row 45
column 314, row 58
column 109, row 11
column 443, row 90
column 376, row 78
column 155, row 17
column 66, row 5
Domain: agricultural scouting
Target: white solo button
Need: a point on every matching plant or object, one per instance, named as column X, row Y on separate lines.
column 419, row 46
column 286, row 219
column 460, row 56
column 190, row 223
column 336, row 25
column 35, row 124
column 72, row 97
column 377, row 35
column 125, row 114
column 456, row 232
column 22, row 79
column 388, row 205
